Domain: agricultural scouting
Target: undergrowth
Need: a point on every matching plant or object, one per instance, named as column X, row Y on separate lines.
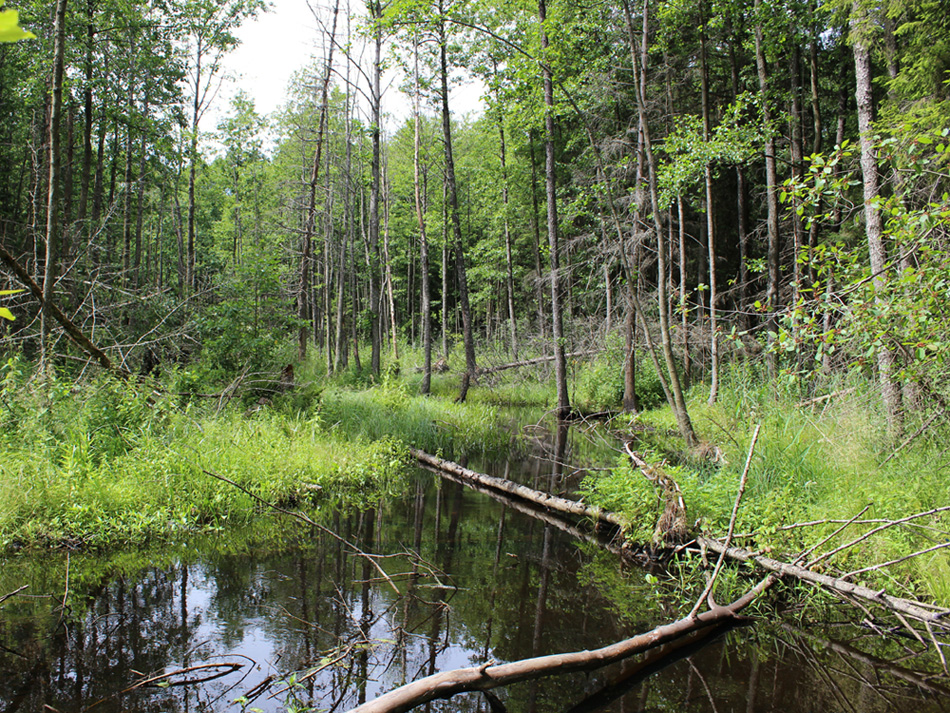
column 814, row 462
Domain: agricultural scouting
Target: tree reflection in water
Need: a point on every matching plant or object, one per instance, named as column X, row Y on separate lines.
column 313, row 625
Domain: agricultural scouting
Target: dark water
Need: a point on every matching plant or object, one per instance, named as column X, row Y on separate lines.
column 289, row 618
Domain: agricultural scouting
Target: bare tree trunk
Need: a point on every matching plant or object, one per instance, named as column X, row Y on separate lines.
column 453, row 207
column 509, row 272
column 425, row 388
column 310, row 219
column 710, row 224
column 52, row 197
column 376, row 14
column 771, row 188
column 536, row 233
column 678, row 404
column 557, row 322
column 874, row 228
column 387, row 266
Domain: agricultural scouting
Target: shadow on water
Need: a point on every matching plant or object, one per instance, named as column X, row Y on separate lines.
column 284, row 617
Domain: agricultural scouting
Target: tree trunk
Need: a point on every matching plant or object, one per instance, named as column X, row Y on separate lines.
column 453, row 207
column 52, row 198
column 376, row 14
column 678, row 404
column 509, row 268
column 425, row 388
column 710, row 224
column 550, row 179
column 310, row 219
column 873, row 223
column 771, row 189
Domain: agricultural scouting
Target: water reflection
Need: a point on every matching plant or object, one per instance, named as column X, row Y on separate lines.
column 488, row 583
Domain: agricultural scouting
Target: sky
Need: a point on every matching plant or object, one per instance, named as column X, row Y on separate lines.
column 278, row 43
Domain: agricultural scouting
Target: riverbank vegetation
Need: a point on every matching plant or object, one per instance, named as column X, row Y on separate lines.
column 704, row 217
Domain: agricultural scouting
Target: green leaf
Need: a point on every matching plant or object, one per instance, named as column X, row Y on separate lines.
column 10, row 30
column 10, row 292
column 6, row 314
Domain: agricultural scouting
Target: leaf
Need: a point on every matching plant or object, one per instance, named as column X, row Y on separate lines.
column 6, row 314
column 10, row 292
column 10, row 30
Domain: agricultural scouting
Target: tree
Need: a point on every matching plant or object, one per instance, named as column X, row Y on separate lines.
column 208, row 28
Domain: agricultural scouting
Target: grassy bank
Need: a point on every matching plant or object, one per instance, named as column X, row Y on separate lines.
column 822, row 462
column 97, row 462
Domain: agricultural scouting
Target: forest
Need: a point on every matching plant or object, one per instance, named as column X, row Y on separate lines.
column 719, row 229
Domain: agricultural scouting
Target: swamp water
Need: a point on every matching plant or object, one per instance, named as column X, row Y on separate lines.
column 288, row 618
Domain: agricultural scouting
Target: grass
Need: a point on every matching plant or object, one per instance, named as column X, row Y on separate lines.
column 98, row 465
column 817, row 462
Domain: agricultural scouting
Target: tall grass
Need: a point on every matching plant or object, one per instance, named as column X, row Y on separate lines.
column 814, row 462
column 102, row 463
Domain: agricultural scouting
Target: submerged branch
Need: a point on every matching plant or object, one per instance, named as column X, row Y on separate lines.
column 488, row 676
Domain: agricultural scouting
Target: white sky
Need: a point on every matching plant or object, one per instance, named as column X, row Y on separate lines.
column 284, row 40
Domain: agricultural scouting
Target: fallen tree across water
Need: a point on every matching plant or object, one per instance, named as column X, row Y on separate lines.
column 488, row 676
column 546, row 500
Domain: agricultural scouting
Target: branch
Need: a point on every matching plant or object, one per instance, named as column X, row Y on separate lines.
column 732, row 525
column 485, row 677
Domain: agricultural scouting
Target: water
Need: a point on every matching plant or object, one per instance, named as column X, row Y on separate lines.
column 286, row 617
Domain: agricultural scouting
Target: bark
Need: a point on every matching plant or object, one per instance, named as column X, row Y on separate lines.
column 423, row 238
column 509, row 267
column 905, row 607
column 310, row 219
column 710, row 226
column 550, row 179
column 771, row 186
column 376, row 14
column 536, row 234
column 52, row 201
column 455, row 219
column 56, row 313
column 874, row 227
column 485, row 677
column 551, row 502
column 678, row 403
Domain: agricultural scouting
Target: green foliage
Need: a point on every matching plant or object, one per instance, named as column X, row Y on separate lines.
column 104, row 463
column 10, row 30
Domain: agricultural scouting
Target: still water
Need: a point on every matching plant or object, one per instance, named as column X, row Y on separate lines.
column 285, row 617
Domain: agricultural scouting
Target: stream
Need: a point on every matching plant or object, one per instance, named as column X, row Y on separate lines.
column 284, row 617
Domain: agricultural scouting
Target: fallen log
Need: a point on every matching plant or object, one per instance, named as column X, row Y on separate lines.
column 552, row 502
column 542, row 514
column 906, row 607
column 536, row 360
column 488, row 676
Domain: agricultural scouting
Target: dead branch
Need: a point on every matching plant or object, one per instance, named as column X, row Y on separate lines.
column 152, row 680
column 488, row 676
column 907, row 607
column 13, row 593
column 551, row 502
column 671, row 528
column 913, row 677
column 303, row 518
column 537, row 360
column 826, row 397
column 74, row 332
column 886, row 525
column 732, row 525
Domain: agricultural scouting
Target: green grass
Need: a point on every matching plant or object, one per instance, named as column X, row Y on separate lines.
column 98, row 465
column 814, row 462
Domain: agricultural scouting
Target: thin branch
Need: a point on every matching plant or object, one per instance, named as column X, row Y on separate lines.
column 732, row 525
